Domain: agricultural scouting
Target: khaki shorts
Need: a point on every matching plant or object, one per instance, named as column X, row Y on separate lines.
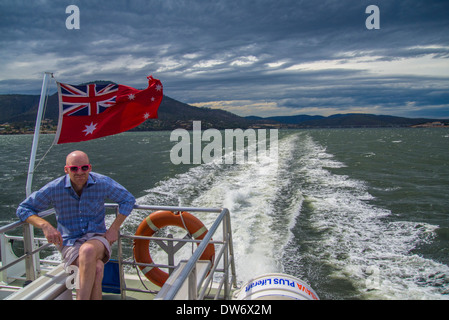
column 70, row 253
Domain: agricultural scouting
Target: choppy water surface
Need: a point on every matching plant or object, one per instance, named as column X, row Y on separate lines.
column 357, row 213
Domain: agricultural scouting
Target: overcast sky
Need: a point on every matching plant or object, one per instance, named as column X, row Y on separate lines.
column 264, row 57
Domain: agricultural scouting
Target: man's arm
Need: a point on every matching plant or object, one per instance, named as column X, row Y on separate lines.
column 112, row 233
column 126, row 201
column 117, row 193
column 28, row 211
column 50, row 232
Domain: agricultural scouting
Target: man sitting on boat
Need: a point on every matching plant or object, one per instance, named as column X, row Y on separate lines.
column 81, row 234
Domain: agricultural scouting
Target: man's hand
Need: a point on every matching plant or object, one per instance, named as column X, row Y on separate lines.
column 50, row 232
column 52, row 235
column 112, row 234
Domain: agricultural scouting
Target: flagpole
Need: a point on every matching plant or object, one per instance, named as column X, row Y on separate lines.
column 37, row 132
column 32, row 267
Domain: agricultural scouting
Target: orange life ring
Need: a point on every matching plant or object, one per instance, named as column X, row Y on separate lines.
column 156, row 221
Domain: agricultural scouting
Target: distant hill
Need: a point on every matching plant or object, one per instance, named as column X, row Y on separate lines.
column 175, row 114
column 171, row 114
column 288, row 119
column 349, row 120
column 21, row 110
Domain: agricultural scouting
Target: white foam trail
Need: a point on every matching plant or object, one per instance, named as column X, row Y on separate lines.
column 248, row 191
column 359, row 238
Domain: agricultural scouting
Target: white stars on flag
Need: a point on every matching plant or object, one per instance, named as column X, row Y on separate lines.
column 90, row 128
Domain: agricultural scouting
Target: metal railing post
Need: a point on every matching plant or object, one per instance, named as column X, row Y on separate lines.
column 28, row 243
column 226, row 257
column 231, row 249
column 120, row 263
column 193, row 291
column 191, row 263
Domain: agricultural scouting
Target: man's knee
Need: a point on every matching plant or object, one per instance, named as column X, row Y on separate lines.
column 91, row 251
column 87, row 252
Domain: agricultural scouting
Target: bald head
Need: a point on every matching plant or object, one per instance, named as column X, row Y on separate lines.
column 78, row 177
column 77, row 158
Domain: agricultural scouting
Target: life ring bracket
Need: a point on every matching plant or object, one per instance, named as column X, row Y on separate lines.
column 156, row 221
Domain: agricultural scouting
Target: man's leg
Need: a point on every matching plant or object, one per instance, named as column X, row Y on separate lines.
column 97, row 290
column 91, row 269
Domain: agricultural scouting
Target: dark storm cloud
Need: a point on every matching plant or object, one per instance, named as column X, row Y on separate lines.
column 293, row 55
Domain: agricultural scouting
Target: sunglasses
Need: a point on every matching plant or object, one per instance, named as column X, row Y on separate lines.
column 84, row 167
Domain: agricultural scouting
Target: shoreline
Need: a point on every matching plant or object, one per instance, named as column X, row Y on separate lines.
column 53, row 131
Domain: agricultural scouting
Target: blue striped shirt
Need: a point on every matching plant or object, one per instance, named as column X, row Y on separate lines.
column 77, row 215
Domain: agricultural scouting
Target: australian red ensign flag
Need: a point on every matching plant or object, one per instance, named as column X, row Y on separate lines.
column 93, row 111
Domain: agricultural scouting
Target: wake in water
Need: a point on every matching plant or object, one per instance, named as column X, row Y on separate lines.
column 250, row 191
column 358, row 240
column 295, row 216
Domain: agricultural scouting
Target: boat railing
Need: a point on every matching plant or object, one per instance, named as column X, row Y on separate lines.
column 222, row 269
column 30, row 260
column 196, row 289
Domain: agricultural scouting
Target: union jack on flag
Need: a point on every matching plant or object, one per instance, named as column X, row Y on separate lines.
column 93, row 111
column 87, row 100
